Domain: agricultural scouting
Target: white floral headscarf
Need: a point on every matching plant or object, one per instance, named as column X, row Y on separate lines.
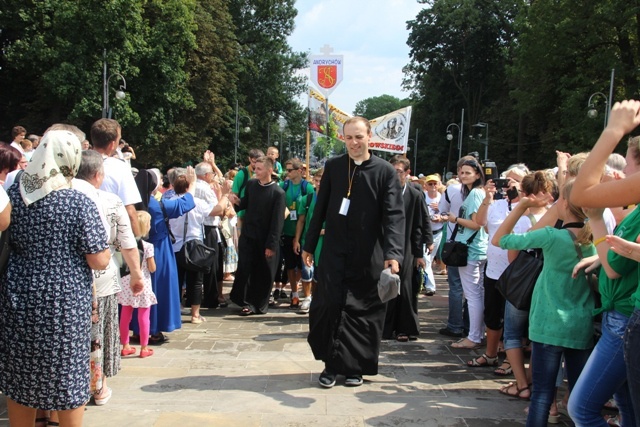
column 53, row 165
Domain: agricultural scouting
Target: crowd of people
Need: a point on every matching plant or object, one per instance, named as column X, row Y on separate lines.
column 102, row 256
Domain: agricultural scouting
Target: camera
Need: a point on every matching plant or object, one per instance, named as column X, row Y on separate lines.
column 491, row 172
column 501, row 183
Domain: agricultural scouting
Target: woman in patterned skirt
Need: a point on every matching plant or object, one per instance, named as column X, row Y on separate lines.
column 57, row 237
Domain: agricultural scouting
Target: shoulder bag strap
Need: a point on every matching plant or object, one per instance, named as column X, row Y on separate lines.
column 470, row 239
column 184, row 232
column 455, row 232
column 575, row 245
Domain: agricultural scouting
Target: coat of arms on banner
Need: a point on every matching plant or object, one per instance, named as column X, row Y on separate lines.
column 327, row 76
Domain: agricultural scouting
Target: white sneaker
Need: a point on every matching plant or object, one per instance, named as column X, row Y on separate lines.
column 304, row 306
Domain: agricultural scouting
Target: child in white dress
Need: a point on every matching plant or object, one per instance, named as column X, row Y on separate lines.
column 142, row 302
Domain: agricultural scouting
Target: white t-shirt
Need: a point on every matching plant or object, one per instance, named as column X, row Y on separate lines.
column 609, row 220
column 497, row 258
column 119, row 180
column 195, row 229
column 4, row 199
column 435, row 226
column 453, row 205
column 17, row 147
column 10, row 179
column 119, row 235
column 204, row 192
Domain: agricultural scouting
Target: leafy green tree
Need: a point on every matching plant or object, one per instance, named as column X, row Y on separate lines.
column 459, row 50
column 565, row 53
column 378, row 106
column 267, row 79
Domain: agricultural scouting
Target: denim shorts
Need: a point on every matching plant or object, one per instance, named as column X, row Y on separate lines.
column 307, row 273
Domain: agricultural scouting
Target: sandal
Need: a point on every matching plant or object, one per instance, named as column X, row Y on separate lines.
column 483, row 360
column 613, row 420
column 402, row 338
column 246, row 311
column 463, row 344
column 158, row 338
column 504, row 371
column 505, row 390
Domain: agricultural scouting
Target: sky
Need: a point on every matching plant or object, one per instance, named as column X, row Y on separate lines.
column 370, row 34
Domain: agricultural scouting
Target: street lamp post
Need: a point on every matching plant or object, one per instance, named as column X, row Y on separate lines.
column 120, row 94
column 237, row 136
column 486, row 138
column 450, row 139
column 592, row 112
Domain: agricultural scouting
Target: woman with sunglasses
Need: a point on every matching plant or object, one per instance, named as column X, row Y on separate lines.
column 468, row 231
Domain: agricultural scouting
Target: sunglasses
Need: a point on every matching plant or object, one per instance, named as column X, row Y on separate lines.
column 291, row 170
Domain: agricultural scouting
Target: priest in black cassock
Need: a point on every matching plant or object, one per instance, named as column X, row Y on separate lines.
column 360, row 203
column 259, row 245
column 402, row 312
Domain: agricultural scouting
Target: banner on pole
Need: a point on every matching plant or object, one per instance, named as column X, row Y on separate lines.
column 391, row 131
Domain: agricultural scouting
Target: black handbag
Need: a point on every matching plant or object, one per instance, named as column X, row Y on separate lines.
column 194, row 254
column 454, row 253
column 517, row 282
column 124, row 268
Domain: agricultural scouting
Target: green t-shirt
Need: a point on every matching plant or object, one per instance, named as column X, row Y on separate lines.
column 478, row 247
column 561, row 311
column 237, row 183
column 617, row 294
column 293, row 199
column 307, row 220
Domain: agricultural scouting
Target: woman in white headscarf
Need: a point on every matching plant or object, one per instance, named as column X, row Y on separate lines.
column 57, row 237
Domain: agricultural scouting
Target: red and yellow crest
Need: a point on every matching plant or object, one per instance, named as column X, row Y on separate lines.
column 327, row 76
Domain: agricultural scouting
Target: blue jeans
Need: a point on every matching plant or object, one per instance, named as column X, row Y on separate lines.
column 429, row 280
column 632, row 360
column 603, row 376
column 458, row 320
column 546, row 360
column 515, row 326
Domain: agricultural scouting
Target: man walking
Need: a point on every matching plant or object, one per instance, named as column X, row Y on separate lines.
column 260, row 240
column 361, row 202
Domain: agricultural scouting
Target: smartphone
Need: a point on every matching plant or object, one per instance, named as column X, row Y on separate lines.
column 501, row 182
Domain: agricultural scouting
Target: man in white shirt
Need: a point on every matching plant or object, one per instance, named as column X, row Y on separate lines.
column 105, row 136
column 432, row 197
column 212, row 281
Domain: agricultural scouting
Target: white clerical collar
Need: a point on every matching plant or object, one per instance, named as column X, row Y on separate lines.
column 358, row 162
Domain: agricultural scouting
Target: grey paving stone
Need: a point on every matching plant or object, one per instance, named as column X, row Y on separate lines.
column 259, row 371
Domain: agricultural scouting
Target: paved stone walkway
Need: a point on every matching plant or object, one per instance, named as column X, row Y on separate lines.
column 259, row 371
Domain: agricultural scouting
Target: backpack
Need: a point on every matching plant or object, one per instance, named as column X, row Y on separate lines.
column 245, row 174
column 303, row 186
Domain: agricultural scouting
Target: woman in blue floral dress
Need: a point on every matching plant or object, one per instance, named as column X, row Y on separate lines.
column 57, row 237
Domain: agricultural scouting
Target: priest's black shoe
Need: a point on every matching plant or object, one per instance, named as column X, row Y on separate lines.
column 353, row 380
column 327, row 379
column 448, row 332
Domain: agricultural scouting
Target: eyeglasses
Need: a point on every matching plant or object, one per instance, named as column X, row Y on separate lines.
column 432, row 183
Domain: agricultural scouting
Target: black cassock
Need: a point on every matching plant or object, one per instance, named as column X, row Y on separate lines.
column 402, row 311
column 346, row 315
column 261, row 229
